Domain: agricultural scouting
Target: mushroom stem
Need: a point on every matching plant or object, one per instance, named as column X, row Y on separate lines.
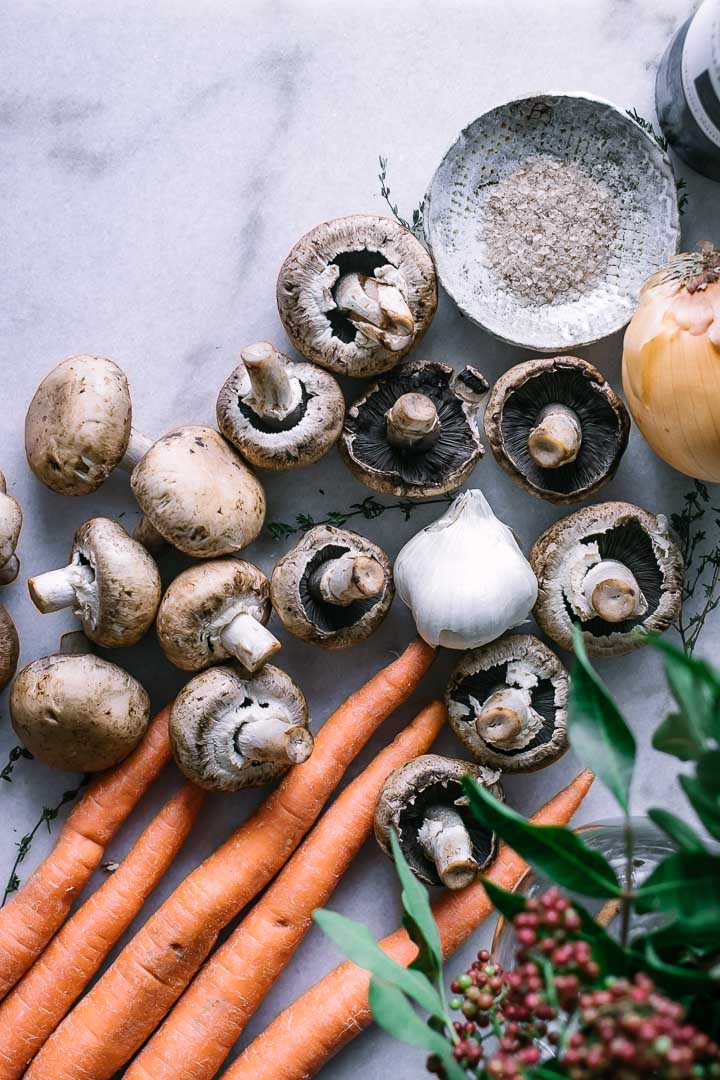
column 444, row 839
column 503, row 716
column 556, row 438
column 146, row 534
column 137, row 447
column 612, row 592
column 58, row 589
column 249, row 641
column 376, row 306
column 269, row 738
column 274, row 394
column 413, row 423
column 348, row 578
column 10, row 570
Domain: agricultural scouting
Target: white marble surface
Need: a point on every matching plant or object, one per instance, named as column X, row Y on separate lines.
column 158, row 163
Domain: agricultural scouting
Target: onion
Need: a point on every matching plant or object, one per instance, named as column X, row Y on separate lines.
column 671, row 363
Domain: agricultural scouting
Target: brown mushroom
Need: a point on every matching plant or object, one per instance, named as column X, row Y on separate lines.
column 507, row 704
column 216, row 611
column 557, row 427
column 279, row 415
column 333, row 588
column 9, row 647
column 356, row 294
column 111, row 583
column 10, row 525
column 424, row 802
column 414, row 432
column 614, row 570
column 231, row 731
column 198, row 494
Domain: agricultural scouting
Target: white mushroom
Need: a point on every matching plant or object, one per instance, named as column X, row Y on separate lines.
column 9, row 647
column 10, row 525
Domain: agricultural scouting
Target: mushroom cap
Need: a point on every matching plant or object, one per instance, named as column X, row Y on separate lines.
column 9, row 647
column 10, row 523
column 426, row 781
column 302, row 438
column 78, row 424
column 79, row 713
column 610, row 530
column 445, row 465
column 517, row 399
column 303, row 615
column 358, row 243
column 205, row 749
column 120, row 605
column 198, row 493
column 516, row 660
column 200, row 602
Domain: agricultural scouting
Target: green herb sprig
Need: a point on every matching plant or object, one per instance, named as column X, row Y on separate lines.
column 701, row 592
column 369, row 509
column 416, row 224
column 14, row 756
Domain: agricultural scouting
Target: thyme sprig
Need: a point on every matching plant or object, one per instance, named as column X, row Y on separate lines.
column 369, row 508
column 701, row 591
column 14, row 756
column 659, row 138
column 417, row 215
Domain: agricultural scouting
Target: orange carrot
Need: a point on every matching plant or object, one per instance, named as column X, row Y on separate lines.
column 33, row 915
column 115, row 1018
column 326, row 1017
column 42, row 998
column 200, row 1031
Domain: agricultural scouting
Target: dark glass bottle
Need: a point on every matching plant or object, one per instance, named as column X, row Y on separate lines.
column 687, row 91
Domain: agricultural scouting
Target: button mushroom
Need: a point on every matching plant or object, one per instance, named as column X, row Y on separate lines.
column 78, row 712
column 612, row 568
column 230, row 730
column 78, row 426
column 10, row 525
column 214, row 611
column 9, row 647
column 198, row 494
column 557, row 427
column 507, row 704
column 278, row 414
column 414, row 432
column 356, row 294
column 334, row 588
column 425, row 804
column 111, row 583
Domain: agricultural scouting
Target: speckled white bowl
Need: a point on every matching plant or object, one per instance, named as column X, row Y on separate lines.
column 604, row 142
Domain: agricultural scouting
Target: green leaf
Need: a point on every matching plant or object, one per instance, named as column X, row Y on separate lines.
column 394, row 1014
column 507, row 903
column 551, row 850
column 701, row 929
column 597, row 729
column 705, row 806
column 708, row 773
column 686, row 883
column 357, row 943
column 696, row 688
column 678, row 830
column 672, row 977
column 418, row 921
column 677, row 737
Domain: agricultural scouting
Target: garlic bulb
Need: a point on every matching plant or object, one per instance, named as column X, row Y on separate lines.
column 671, row 358
column 464, row 577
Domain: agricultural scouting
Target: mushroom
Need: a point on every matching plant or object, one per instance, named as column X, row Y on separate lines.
column 507, row 704
column 198, row 494
column 10, row 525
column 77, row 428
column 356, row 294
column 215, row 611
column 424, row 802
column 111, row 583
column 278, row 414
column 611, row 568
column 9, row 647
column 229, row 730
column 333, row 588
column 75, row 711
column 557, row 427
column 414, row 432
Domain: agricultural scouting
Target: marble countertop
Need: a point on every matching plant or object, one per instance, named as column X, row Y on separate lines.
column 159, row 161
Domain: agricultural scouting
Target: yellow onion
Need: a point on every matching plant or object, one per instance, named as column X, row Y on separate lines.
column 671, row 363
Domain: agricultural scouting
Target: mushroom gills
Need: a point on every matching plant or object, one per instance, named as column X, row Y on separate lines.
column 556, row 438
column 57, row 589
column 413, row 423
column 327, row 575
column 345, row 579
column 268, row 737
column 275, row 397
column 613, row 581
column 483, row 695
column 445, row 840
column 245, row 638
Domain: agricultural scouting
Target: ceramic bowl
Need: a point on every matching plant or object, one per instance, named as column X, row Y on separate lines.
column 604, row 143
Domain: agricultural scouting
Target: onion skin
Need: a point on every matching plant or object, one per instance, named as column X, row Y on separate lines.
column 671, row 373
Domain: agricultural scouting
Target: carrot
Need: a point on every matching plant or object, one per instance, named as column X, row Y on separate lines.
column 200, row 1031
column 326, row 1017
column 129, row 1001
column 42, row 998
column 33, row 915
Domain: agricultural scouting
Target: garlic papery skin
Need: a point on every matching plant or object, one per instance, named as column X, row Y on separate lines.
column 464, row 577
column 671, row 360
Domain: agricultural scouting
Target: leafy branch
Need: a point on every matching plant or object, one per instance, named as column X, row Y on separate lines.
column 417, row 215
column 701, row 591
column 369, row 508
column 662, row 142
column 14, row 756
